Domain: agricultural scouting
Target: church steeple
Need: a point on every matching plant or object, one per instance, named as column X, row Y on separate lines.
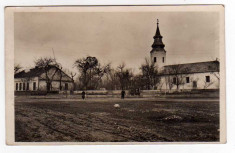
column 158, row 44
column 158, row 53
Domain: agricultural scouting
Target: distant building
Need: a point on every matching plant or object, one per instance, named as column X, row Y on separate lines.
column 200, row 75
column 39, row 79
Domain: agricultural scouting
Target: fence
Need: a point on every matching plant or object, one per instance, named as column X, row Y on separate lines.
column 117, row 93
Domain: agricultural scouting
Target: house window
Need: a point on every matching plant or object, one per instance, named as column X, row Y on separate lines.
column 187, row 79
column 155, row 59
column 34, row 86
column 23, row 86
column 20, row 86
column 27, row 87
column 66, row 86
column 163, row 59
column 174, row 80
column 208, row 79
column 16, row 86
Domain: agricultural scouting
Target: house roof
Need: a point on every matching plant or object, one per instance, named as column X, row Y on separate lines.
column 34, row 72
column 199, row 67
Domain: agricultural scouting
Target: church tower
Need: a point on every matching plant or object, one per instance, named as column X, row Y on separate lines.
column 158, row 53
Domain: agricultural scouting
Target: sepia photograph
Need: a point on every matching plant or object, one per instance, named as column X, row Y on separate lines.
column 115, row 74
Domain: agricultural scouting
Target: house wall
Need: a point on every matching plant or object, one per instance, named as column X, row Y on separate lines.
column 54, row 74
column 199, row 78
column 24, row 81
column 55, row 85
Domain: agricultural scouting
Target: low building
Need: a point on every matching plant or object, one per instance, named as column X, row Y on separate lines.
column 41, row 79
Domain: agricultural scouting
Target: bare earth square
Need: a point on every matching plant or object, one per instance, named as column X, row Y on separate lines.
column 97, row 120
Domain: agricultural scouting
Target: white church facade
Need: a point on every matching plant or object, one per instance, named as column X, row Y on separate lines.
column 200, row 75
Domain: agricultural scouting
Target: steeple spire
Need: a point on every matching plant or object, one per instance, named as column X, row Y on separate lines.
column 158, row 31
column 158, row 44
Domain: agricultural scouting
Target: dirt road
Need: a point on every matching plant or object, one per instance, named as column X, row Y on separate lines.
column 90, row 121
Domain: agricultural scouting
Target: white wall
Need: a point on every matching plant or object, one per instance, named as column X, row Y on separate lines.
column 159, row 55
column 40, row 84
column 55, row 85
column 21, row 80
column 200, row 78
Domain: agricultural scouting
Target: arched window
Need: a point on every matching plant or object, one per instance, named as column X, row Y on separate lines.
column 155, row 59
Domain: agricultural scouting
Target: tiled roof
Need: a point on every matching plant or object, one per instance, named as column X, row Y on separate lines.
column 200, row 67
column 34, row 72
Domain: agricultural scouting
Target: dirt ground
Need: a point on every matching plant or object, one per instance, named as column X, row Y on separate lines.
column 64, row 120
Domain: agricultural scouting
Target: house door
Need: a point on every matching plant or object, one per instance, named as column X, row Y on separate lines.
column 48, row 86
column 66, row 86
column 194, row 84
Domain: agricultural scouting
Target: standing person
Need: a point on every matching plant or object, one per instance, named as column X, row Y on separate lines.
column 123, row 94
column 83, row 94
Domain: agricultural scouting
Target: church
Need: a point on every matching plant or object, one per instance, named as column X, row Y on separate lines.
column 187, row 76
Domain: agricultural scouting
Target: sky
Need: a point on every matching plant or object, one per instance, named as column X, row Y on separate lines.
column 114, row 37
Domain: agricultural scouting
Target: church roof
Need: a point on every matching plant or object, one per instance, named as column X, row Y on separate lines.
column 158, row 44
column 188, row 68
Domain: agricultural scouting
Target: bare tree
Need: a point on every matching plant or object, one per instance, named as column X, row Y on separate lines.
column 84, row 65
column 61, row 76
column 177, row 73
column 150, row 74
column 169, row 81
column 124, row 76
column 17, row 68
column 50, row 68
column 71, row 75
column 208, row 84
column 111, row 80
column 91, row 72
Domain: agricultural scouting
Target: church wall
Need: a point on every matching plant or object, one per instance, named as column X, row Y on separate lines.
column 159, row 55
column 199, row 78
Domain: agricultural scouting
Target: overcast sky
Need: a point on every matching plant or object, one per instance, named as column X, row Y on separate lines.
column 115, row 37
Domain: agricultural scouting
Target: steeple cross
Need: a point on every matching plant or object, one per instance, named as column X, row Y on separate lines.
column 157, row 21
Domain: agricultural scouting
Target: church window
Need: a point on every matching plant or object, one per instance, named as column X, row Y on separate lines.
column 174, row 80
column 208, row 79
column 163, row 59
column 187, row 79
column 20, row 86
column 16, row 86
column 155, row 59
